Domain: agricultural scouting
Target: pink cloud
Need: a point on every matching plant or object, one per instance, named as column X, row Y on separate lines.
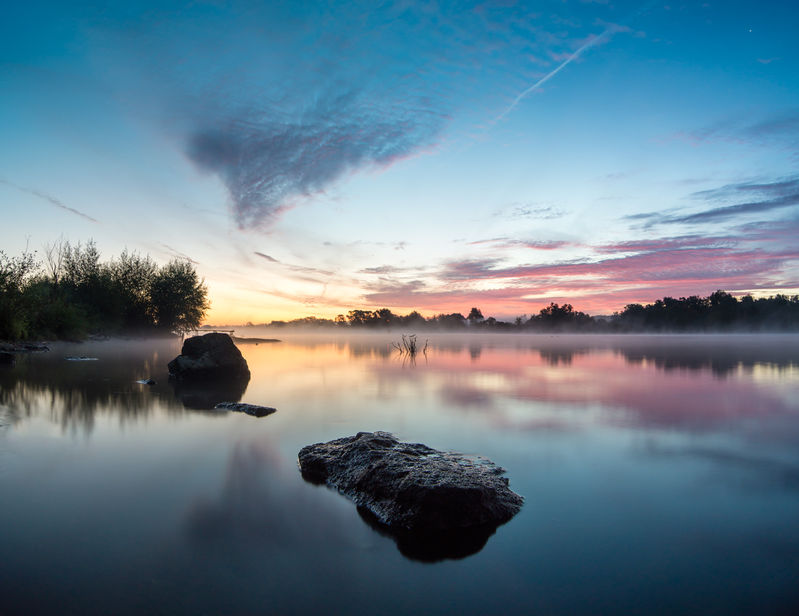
column 681, row 266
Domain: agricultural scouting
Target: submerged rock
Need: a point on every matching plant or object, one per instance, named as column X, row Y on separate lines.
column 411, row 487
column 251, row 409
column 253, row 340
column 24, row 347
column 212, row 356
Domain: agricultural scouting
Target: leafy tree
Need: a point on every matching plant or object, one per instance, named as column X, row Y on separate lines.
column 132, row 276
column 414, row 319
column 358, row 318
column 453, row 320
column 475, row 316
column 178, row 298
column 15, row 275
column 384, row 317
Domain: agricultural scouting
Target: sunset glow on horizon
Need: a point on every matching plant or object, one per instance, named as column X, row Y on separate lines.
column 313, row 158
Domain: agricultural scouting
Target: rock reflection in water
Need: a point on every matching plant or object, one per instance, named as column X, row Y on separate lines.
column 205, row 395
column 432, row 546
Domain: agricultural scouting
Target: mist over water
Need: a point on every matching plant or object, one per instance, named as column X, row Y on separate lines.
column 661, row 474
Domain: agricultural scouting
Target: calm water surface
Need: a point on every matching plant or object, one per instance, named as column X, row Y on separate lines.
column 661, row 475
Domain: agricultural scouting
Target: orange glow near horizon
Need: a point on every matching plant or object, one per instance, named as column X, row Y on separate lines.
column 226, row 312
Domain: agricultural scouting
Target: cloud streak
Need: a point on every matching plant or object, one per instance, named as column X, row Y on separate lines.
column 302, row 269
column 779, row 194
column 50, row 199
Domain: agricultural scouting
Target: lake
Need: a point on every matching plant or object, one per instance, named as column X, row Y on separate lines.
column 660, row 475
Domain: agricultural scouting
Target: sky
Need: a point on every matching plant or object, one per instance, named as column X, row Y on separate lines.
column 316, row 157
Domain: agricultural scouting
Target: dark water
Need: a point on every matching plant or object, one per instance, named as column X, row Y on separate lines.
column 661, row 475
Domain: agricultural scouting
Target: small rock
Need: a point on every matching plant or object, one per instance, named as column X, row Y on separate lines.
column 81, row 358
column 251, row 409
column 37, row 347
column 146, row 382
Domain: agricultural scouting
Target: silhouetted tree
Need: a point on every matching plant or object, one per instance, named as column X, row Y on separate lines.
column 178, row 298
column 475, row 317
column 718, row 311
column 132, row 276
column 454, row 320
column 15, row 275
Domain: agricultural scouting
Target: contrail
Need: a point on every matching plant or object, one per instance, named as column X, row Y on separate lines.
column 593, row 41
column 612, row 29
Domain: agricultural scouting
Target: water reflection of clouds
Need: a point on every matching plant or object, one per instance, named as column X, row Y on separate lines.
column 693, row 383
column 712, row 384
column 755, row 470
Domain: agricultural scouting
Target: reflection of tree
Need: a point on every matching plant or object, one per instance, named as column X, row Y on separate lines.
column 557, row 357
column 72, row 393
column 368, row 350
column 719, row 358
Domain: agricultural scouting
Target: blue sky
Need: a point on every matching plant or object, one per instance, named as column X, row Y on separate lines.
column 317, row 157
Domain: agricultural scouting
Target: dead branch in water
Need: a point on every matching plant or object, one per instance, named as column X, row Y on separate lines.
column 409, row 346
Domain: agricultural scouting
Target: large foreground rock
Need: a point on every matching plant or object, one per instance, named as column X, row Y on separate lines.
column 209, row 357
column 411, row 487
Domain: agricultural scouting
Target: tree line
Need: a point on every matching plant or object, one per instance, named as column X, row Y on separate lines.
column 70, row 293
column 719, row 311
column 551, row 317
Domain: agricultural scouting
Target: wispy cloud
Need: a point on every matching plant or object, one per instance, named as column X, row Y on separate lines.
column 267, row 257
column 268, row 164
column 667, row 243
column 176, row 253
column 388, row 269
column 507, row 242
column 49, row 199
column 303, row 269
column 779, row 187
column 530, row 210
column 762, row 198
column 282, row 101
column 779, row 129
column 711, row 263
